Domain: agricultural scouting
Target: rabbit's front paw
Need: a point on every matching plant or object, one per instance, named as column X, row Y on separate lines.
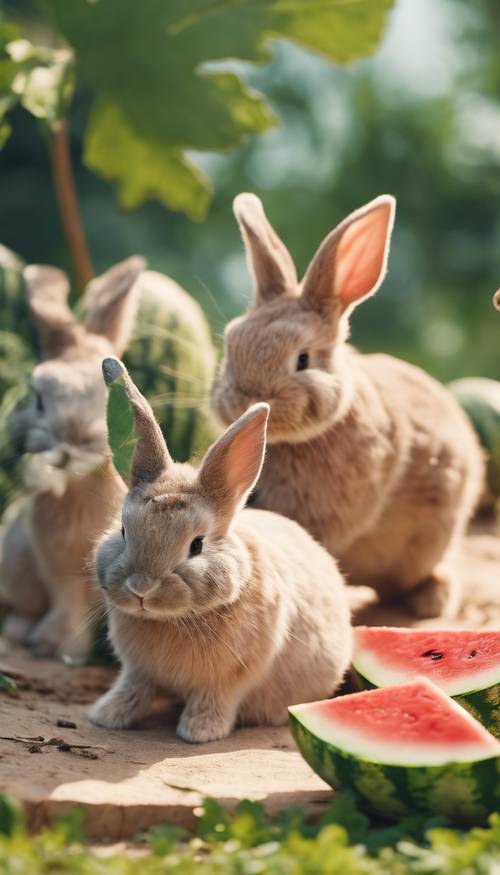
column 204, row 725
column 437, row 596
column 111, row 713
column 124, row 704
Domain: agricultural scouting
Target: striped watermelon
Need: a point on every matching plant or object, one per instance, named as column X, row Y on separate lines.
column 464, row 664
column 17, row 357
column 172, row 358
column 403, row 750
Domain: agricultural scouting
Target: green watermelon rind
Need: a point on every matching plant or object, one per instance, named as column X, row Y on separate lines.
column 483, row 703
column 480, row 399
column 464, row 793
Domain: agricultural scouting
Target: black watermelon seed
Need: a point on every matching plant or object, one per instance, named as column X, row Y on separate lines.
column 472, row 653
column 435, row 655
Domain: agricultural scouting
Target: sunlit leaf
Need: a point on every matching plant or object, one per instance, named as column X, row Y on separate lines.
column 155, row 98
column 39, row 78
column 11, row 819
column 6, row 684
column 143, row 168
column 45, row 91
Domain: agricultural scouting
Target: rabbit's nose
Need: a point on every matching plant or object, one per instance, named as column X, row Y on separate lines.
column 139, row 585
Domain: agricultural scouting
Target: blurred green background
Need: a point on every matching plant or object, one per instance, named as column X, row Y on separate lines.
column 420, row 118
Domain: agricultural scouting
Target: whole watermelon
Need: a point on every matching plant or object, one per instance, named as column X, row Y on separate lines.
column 172, row 359
column 480, row 398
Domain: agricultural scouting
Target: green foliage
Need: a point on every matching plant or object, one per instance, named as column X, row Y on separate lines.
column 153, row 98
column 405, row 121
column 11, row 819
column 7, row 685
column 39, row 78
column 248, row 843
column 121, row 432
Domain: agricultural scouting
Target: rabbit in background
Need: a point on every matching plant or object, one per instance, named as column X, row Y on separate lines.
column 239, row 612
column 45, row 582
column 370, row 454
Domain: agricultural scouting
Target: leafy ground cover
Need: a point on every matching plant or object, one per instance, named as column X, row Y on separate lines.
column 248, row 843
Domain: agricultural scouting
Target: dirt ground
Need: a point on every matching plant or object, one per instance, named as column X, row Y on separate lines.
column 52, row 758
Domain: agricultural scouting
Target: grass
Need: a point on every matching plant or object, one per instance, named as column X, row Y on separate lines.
column 248, row 843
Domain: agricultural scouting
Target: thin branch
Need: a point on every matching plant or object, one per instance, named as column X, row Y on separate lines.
column 64, row 183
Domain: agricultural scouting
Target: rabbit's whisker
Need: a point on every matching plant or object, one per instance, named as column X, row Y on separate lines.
column 213, row 299
column 189, row 378
column 222, row 640
column 165, row 334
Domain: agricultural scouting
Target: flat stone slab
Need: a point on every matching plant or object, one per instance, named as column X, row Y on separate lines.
column 131, row 780
column 52, row 759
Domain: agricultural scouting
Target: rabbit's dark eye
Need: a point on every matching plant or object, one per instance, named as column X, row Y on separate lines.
column 123, row 532
column 196, row 546
column 39, row 402
column 302, row 361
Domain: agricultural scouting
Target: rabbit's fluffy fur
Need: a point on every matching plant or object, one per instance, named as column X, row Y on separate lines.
column 75, row 491
column 368, row 453
column 255, row 621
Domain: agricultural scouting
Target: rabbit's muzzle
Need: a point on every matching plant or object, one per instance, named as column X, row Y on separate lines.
column 230, row 402
column 140, row 585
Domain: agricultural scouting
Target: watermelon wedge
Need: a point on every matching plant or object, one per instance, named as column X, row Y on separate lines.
column 464, row 664
column 403, row 750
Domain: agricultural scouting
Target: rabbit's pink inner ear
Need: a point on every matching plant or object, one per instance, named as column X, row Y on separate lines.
column 361, row 255
column 232, row 465
column 245, row 457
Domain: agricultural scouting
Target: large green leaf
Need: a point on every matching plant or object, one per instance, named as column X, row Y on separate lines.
column 154, row 98
column 142, row 168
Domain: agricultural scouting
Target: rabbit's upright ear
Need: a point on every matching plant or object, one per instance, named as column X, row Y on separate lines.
column 352, row 261
column 111, row 302
column 232, row 465
column 151, row 457
column 47, row 290
column 268, row 258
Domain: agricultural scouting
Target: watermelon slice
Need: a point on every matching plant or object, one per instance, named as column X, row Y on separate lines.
column 403, row 750
column 464, row 664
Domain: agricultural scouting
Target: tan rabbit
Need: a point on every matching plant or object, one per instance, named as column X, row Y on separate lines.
column 367, row 452
column 44, row 575
column 239, row 612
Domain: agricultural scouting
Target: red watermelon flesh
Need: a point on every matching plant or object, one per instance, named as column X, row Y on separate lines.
column 458, row 661
column 412, row 724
